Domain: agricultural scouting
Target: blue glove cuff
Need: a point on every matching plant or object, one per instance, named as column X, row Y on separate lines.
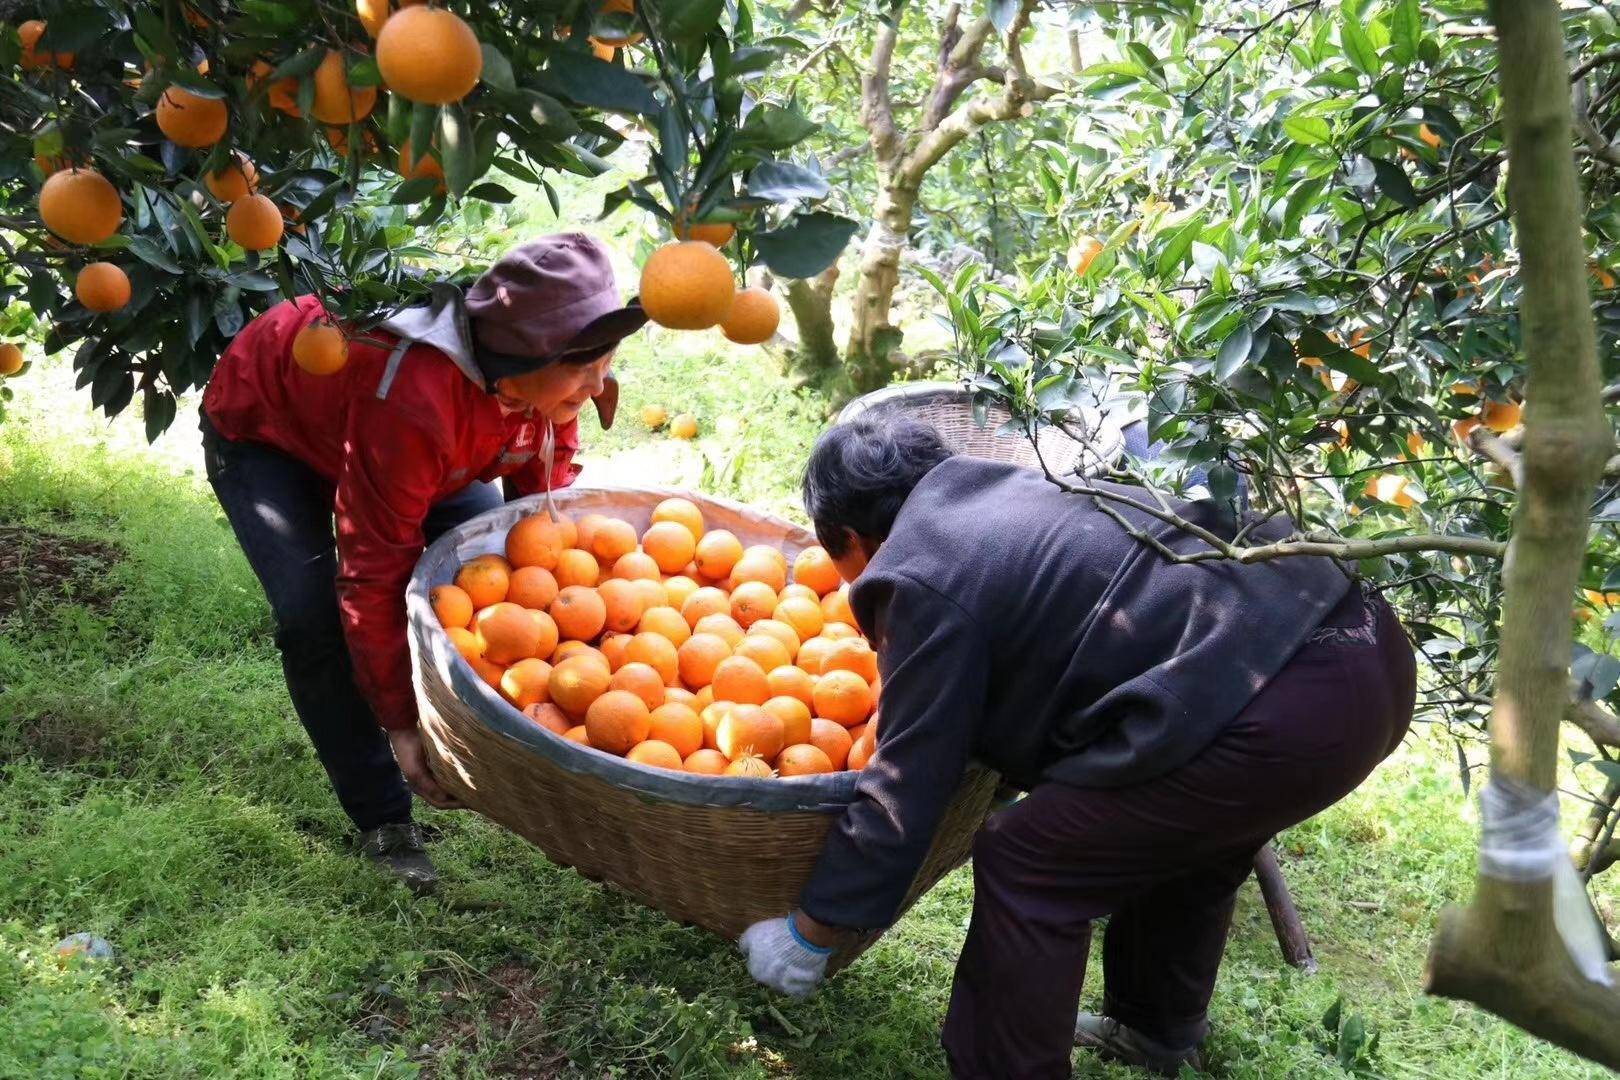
column 803, row 942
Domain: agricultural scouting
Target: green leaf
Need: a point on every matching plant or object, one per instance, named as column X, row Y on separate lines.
column 807, row 245
column 774, row 127
column 301, row 65
column 1357, row 46
column 1312, row 342
column 424, row 118
column 363, row 72
column 783, row 181
column 149, row 253
column 491, row 192
column 1175, row 252
column 150, row 25
column 598, row 84
column 1233, row 352
column 690, row 20
column 1394, row 183
column 497, row 72
column 1407, row 33
column 187, row 79
column 456, row 150
column 1307, row 130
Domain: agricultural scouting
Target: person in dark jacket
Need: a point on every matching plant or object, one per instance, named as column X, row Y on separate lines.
column 1166, row 719
column 334, row 484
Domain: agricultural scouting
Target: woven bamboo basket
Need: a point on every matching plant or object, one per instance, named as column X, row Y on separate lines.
column 948, row 407
column 719, row 853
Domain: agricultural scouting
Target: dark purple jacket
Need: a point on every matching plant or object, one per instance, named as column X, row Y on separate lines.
column 1020, row 626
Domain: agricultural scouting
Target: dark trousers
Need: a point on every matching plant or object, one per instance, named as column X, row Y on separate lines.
column 1162, row 860
column 281, row 512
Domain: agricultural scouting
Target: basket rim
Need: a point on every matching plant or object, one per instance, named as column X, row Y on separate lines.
column 825, row 793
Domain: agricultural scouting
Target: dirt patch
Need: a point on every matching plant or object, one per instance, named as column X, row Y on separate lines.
column 503, row 1014
column 57, row 741
column 44, row 566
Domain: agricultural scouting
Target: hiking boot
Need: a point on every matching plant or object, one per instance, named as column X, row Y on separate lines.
column 1113, row 1041
column 399, row 852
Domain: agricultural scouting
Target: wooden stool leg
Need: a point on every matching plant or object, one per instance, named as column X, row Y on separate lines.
column 1291, row 936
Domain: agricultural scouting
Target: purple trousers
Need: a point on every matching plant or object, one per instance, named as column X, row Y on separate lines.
column 1162, row 860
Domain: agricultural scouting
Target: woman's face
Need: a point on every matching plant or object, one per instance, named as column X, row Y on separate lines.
column 556, row 392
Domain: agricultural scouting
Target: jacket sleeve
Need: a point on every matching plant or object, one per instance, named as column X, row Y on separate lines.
column 393, row 466
column 934, row 664
column 531, row 479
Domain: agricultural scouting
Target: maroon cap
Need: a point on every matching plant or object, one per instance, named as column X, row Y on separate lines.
column 550, row 297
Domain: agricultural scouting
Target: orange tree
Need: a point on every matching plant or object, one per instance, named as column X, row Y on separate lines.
column 172, row 168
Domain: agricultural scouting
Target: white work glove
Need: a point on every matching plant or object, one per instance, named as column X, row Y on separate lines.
column 780, row 958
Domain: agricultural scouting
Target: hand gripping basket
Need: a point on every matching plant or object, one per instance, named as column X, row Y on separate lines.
column 717, row 852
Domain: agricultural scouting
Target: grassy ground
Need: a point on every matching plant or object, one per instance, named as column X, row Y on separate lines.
column 156, row 789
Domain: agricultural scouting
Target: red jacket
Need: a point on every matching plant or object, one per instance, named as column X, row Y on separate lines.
column 388, row 459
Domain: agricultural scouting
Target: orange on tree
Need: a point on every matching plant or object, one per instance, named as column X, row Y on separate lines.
column 281, row 94
column 687, row 285
column 336, row 102
column 1430, row 137
column 614, row 41
column 717, row 233
column 29, row 33
column 1500, row 416
column 237, row 180
column 1083, row 252
column 684, row 426
column 656, row 753
column 11, row 359
column 320, row 348
column 102, row 287
column 372, row 14
column 1390, row 488
column 81, row 206
column 423, row 165
column 429, row 55
column 254, row 223
column 188, row 119
column 753, row 317
column 616, row 721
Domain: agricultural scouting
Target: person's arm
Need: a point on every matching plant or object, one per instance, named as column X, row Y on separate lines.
column 391, row 473
column 531, row 478
column 935, row 667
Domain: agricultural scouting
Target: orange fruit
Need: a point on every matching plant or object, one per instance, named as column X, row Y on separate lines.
column 577, row 682
column 852, row 654
column 687, row 285
column 803, row 759
column 654, row 416
column 861, row 753
column 703, row 698
column 429, row 55
column 491, row 673
column 706, row 762
column 617, row 720
column 656, row 753
column 749, row 729
column 684, row 426
column 188, row 119
column 507, row 633
column 579, row 612
column 549, row 717
column 527, row 683
column 682, row 512
column 485, row 582
column 795, row 717
column 576, row 567
column 670, row 545
column 423, row 165
column 11, row 359
column 718, row 233
column 1430, row 137
column 641, row 680
column 616, row 40
column 1083, row 252
column 81, row 206
column 801, row 615
column 753, row 317
column 283, row 93
column 813, row 653
column 566, row 649
column 535, row 541
column 237, row 180
column 814, row 568
column 750, row 766
column 832, row 739
column 451, row 604
column 612, row 647
column 578, row 734
column 667, row 623
column 622, row 604
column 570, row 531
column 843, row 696
column 794, row 591
column 678, row 588
column 698, row 657
column 1389, row 488
column 373, row 14
column 31, row 60
column 717, row 553
column 835, row 607
column 704, row 602
column 762, row 565
column 752, row 601
column 764, row 650
column 612, row 538
column 465, row 641
column 1499, row 416
column 679, row 726
column 722, row 626
column 658, row 652
column 532, row 587
column 637, row 566
column 651, row 592
column 839, row 631
column 679, row 695
column 319, row 348
column 782, row 632
column 102, row 287
column 254, row 223
column 790, row 681
column 711, row 715
column 741, row 680
column 586, row 530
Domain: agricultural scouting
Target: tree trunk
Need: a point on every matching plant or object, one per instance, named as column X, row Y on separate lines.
column 1504, row 951
column 815, row 357
column 873, row 338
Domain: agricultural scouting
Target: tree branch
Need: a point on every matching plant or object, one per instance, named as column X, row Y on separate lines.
column 1600, row 725
column 1484, row 442
column 877, row 108
column 1601, row 148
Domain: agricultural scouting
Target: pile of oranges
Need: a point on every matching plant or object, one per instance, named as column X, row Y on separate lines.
column 679, row 648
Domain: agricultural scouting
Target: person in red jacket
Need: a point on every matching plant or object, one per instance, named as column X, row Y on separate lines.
column 334, row 484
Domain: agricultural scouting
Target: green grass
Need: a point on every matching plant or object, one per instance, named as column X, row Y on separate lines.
column 156, row 789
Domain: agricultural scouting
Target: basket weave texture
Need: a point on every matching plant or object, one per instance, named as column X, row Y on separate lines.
column 720, row 853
